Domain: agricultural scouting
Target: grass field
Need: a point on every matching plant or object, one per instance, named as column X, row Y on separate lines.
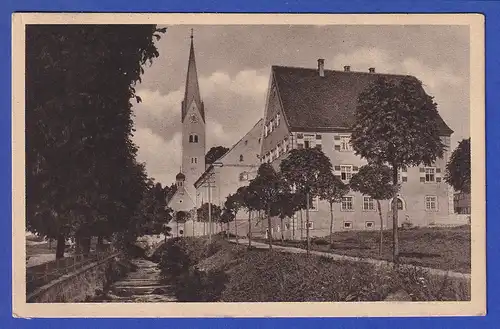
column 446, row 248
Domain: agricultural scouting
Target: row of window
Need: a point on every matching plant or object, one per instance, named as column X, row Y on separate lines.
column 271, row 125
column 346, row 224
column 369, row 204
column 347, row 203
column 428, row 174
column 282, row 148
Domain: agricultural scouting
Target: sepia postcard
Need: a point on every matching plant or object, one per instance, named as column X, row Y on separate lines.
column 248, row 165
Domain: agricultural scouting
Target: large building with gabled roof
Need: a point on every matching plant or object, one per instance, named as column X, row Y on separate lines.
column 308, row 108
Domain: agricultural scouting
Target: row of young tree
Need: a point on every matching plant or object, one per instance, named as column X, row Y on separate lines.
column 396, row 126
column 82, row 177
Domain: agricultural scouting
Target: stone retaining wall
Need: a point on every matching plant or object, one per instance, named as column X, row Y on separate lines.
column 81, row 284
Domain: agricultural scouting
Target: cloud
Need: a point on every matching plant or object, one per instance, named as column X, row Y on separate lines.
column 233, row 104
column 162, row 157
column 363, row 58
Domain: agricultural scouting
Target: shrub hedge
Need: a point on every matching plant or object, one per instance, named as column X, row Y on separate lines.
column 221, row 271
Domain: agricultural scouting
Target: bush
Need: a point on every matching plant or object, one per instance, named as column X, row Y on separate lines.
column 407, row 225
column 320, row 242
column 198, row 286
column 278, row 277
column 179, row 254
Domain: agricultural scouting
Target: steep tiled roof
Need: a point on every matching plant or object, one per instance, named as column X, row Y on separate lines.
column 312, row 102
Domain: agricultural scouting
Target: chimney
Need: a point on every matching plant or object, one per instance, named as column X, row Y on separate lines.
column 371, row 70
column 347, row 68
column 321, row 67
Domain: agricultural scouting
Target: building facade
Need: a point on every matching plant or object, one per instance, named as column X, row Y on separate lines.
column 231, row 171
column 308, row 108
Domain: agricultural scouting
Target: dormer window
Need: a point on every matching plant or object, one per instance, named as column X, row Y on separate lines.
column 241, row 157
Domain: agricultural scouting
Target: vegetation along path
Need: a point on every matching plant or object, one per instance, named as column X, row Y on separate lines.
column 376, row 262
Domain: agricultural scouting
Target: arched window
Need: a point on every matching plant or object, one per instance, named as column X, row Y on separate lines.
column 241, row 157
column 400, row 202
column 193, row 138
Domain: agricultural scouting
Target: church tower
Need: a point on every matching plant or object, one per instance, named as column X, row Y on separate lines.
column 193, row 127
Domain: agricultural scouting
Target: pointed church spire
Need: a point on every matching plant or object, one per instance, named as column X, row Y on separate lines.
column 192, row 92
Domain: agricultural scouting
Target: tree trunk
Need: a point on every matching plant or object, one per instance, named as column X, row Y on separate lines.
column 307, row 225
column 50, row 243
column 78, row 244
column 86, row 246
column 193, row 226
column 381, row 228
column 331, row 225
column 395, row 242
column 269, row 234
column 281, row 228
column 249, row 228
column 61, row 245
column 293, row 227
column 100, row 243
column 301, row 226
column 235, row 229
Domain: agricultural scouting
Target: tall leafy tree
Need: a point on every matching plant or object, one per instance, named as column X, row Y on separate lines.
column 397, row 123
column 458, row 173
column 204, row 216
column 266, row 187
column 249, row 200
column 233, row 203
column 375, row 181
column 305, row 169
column 331, row 190
column 215, row 153
column 81, row 174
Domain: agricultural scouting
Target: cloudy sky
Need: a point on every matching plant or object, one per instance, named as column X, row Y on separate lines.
column 234, row 64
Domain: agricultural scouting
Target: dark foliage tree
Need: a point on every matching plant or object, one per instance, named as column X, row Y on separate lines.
column 233, row 203
column 170, row 191
column 266, row 187
column 331, row 190
column 305, row 169
column 81, row 176
column 458, row 173
column 209, row 215
column 397, row 123
column 215, row 153
column 250, row 201
column 153, row 215
column 375, row 181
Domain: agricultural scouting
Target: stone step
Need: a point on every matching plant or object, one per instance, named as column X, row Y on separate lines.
column 127, row 291
column 133, row 283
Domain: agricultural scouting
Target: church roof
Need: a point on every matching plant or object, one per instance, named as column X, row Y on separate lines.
column 311, row 102
column 192, row 92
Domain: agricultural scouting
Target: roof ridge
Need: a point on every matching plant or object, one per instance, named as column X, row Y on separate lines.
column 340, row 71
